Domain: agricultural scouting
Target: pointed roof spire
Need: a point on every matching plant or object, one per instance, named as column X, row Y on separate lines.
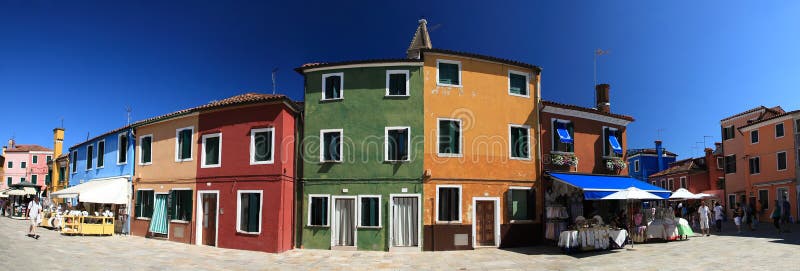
column 421, row 40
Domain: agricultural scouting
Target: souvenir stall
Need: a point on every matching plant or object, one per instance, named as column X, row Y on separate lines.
column 95, row 207
column 18, row 201
column 578, row 218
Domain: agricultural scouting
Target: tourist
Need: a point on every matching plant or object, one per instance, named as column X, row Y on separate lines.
column 704, row 214
column 785, row 211
column 34, row 211
column 738, row 213
column 776, row 216
column 718, row 216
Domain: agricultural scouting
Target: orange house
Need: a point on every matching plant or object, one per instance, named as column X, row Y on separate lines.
column 481, row 152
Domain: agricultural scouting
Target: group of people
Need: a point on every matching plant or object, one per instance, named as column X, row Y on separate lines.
column 780, row 215
column 743, row 215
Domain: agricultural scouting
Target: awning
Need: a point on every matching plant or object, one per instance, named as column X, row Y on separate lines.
column 3, row 193
column 22, row 192
column 110, row 191
column 596, row 187
column 563, row 134
column 612, row 139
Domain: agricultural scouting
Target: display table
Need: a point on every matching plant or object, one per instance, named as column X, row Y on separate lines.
column 665, row 229
column 587, row 239
column 618, row 237
column 684, row 230
column 88, row 225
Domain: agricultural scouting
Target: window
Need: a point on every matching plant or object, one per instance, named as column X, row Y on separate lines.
column 778, row 130
column 730, row 163
column 397, row 144
column 89, row 156
column 180, row 207
column 449, row 137
column 782, row 160
column 720, row 163
column 122, row 149
column 636, row 165
column 318, row 210
column 212, row 150
column 331, row 145
column 23, row 164
column 612, row 143
column 10, row 164
column 146, row 150
column 332, row 86
column 34, row 178
column 519, row 142
column 22, row 179
column 8, row 181
column 763, row 199
column 797, row 126
column 35, row 159
column 183, row 144
column 74, row 162
column 397, row 83
column 49, row 159
column 671, row 184
column 101, row 149
column 448, row 72
column 248, row 208
column 370, row 211
column 731, row 201
column 448, row 203
column 144, row 203
column 728, row 133
column 755, row 165
column 261, row 146
column 754, row 137
column 683, row 182
column 518, row 83
column 664, row 184
column 563, row 136
column 61, row 172
column 522, row 203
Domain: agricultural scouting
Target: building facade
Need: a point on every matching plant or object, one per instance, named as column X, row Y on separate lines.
column 57, row 170
column 26, row 163
column 697, row 175
column 644, row 162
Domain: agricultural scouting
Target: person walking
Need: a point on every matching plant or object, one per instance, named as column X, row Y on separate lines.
column 738, row 213
column 776, row 216
column 704, row 214
column 34, row 211
column 718, row 217
column 785, row 211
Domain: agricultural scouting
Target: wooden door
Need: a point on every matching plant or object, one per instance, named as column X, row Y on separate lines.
column 484, row 223
column 210, row 219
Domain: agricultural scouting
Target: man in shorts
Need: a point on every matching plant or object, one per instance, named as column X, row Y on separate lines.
column 705, row 215
column 34, row 211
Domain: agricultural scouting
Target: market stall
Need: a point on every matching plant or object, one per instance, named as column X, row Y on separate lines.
column 100, row 209
column 18, row 201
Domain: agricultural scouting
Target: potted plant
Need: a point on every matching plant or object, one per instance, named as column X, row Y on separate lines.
column 616, row 164
column 564, row 159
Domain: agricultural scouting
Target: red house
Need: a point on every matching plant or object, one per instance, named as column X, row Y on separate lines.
column 246, row 173
column 698, row 175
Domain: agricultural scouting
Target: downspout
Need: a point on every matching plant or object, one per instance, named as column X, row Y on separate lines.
column 540, row 166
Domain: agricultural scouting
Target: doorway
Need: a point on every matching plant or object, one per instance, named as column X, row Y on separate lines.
column 486, row 226
column 344, row 222
column 208, row 206
column 404, row 222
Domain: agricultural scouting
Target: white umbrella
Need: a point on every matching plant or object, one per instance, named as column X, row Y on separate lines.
column 682, row 194
column 702, row 196
column 631, row 193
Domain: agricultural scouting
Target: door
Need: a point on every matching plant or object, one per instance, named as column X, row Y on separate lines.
column 484, row 223
column 344, row 225
column 159, row 223
column 209, row 219
column 405, row 222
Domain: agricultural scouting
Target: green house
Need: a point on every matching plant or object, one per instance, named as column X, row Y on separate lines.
column 362, row 155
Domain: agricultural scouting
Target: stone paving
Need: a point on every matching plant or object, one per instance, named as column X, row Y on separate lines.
column 760, row 250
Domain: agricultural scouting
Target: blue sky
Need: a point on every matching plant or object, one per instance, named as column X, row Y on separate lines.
column 679, row 66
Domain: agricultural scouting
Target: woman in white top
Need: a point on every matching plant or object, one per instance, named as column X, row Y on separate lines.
column 704, row 214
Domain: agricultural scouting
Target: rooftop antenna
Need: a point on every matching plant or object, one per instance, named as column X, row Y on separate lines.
column 87, row 136
column 62, row 122
column 274, row 74
column 704, row 141
column 659, row 133
column 598, row 53
column 128, row 110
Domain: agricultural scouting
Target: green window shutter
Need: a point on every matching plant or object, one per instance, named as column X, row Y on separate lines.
column 138, row 205
column 444, row 133
column 34, row 178
column 9, row 181
column 518, row 84
column 186, row 144
column 35, row 159
column 23, row 164
column 253, row 212
column 455, row 134
column 187, row 205
column 47, row 180
column 531, row 210
column 150, row 197
column 122, row 149
column 10, row 164
column 101, row 149
column 171, row 205
column 147, row 149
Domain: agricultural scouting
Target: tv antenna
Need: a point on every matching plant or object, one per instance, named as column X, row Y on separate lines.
column 128, row 110
column 274, row 83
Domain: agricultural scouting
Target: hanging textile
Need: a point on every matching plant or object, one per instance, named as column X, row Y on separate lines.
column 158, row 224
column 345, row 218
column 406, row 222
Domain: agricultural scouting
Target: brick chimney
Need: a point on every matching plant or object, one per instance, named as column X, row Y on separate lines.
column 601, row 96
column 660, row 154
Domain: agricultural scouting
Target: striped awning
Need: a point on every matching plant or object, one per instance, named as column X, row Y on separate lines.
column 158, row 224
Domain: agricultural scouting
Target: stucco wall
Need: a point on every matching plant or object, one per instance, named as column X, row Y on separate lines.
column 110, row 167
column 588, row 141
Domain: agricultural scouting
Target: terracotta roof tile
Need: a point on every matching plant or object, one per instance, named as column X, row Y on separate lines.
column 246, row 98
column 633, row 152
column 586, row 109
column 768, row 118
column 313, row 65
column 484, row 57
column 27, row 148
column 681, row 166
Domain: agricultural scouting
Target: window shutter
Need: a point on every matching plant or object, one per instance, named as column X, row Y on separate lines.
column 402, row 148
column 510, row 204
column 254, row 208
column 138, row 205
column 267, row 145
column 186, row 144
column 444, row 131
column 454, row 135
column 171, row 204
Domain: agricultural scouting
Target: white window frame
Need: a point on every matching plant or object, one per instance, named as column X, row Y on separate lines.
column 180, row 189
column 386, row 142
column 341, row 86
column 721, row 162
column 391, row 220
column 97, row 149
column 777, row 160
column 670, row 184
column 141, row 157
column 408, row 80
column 460, row 204
column 511, row 145
column 198, row 226
column 527, row 83
column 89, row 158
column 725, row 131
column 32, row 158
column 178, row 146
column 758, row 136
column 119, row 143
column 510, row 199
column 253, row 146
column 766, row 200
column 322, row 146
column 239, row 210
column 636, row 165
column 731, row 205
column 203, row 151
column 154, row 202
column 553, row 140
column 605, row 143
column 74, row 159
column 308, row 212
column 725, row 167
column 750, row 164
column 380, row 212
column 783, row 127
column 460, row 138
column 460, row 81
column 683, row 183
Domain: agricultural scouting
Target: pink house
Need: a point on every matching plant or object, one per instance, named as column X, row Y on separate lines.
column 26, row 163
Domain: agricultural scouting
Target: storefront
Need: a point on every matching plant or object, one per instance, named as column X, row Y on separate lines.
column 97, row 202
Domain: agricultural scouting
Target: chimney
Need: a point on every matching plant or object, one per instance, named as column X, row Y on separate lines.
column 421, row 40
column 58, row 142
column 11, row 143
column 601, row 96
column 4, row 150
column 660, row 154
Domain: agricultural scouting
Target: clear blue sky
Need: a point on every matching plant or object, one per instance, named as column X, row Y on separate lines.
column 680, row 66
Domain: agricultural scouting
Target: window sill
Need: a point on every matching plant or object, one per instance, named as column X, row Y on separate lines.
column 561, row 152
column 179, row 221
column 519, row 95
column 612, row 157
column 396, row 161
column 330, row 162
column 145, row 164
column 396, row 96
column 448, row 222
column 369, row 227
column 450, row 155
column 119, row 164
column 448, row 85
column 143, row 218
column 520, row 158
column 318, row 226
column 211, row 166
column 528, row 221
column 255, row 163
column 331, row 100
column 248, row 233
column 183, row 160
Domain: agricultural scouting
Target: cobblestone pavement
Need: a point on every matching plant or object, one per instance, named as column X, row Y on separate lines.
column 760, row 250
